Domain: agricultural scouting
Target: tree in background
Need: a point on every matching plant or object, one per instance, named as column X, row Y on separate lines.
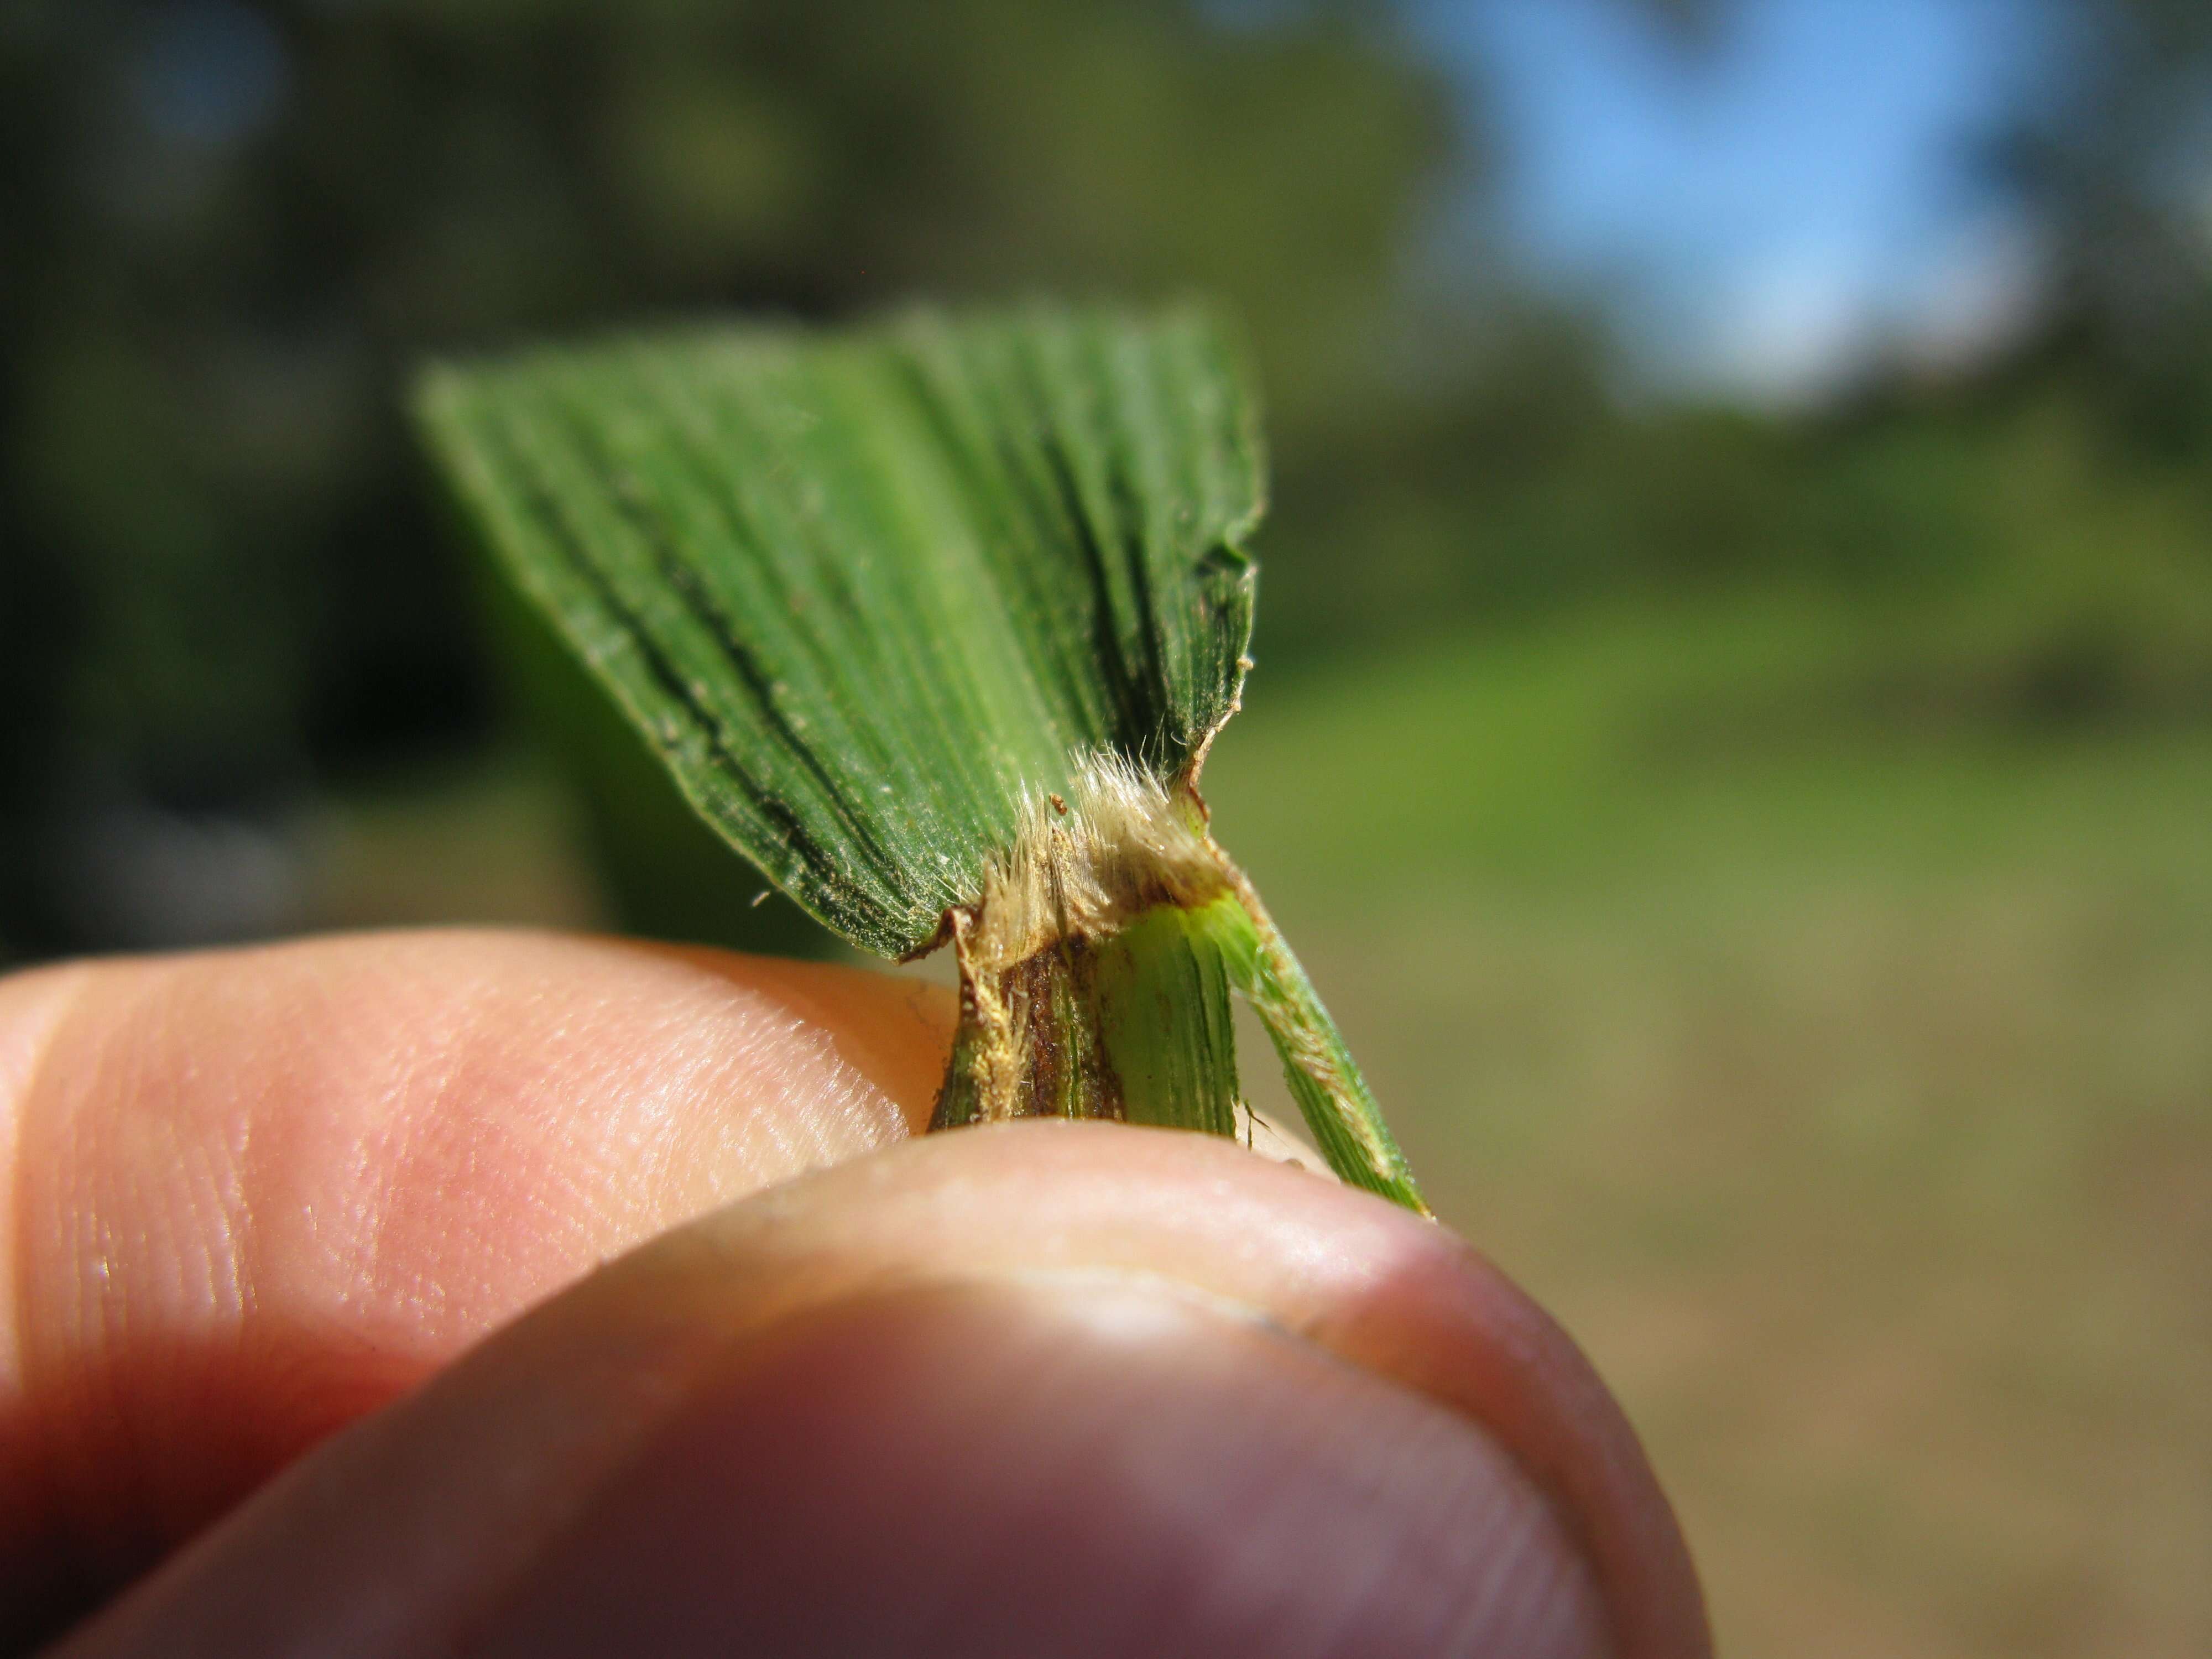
column 2117, row 175
column 231, row 224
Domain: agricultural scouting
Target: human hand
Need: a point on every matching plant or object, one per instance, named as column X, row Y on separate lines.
column 1039, row 1389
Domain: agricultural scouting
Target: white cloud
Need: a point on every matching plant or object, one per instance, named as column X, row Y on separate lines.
column 1793, row 331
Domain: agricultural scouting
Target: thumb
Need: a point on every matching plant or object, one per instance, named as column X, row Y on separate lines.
column 1045, row 1389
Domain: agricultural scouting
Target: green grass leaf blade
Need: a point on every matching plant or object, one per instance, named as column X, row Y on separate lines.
column 868, row 595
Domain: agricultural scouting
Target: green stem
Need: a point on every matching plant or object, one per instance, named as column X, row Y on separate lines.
column 1137, row 1026
column 1324, row 1080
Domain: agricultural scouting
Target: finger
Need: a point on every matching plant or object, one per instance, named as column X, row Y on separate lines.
column 256, row 1194
column 1057, row 1389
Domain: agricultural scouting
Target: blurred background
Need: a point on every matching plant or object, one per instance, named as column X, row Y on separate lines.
column 1732, row 734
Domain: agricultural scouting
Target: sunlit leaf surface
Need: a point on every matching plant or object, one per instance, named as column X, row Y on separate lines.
column 865, row 592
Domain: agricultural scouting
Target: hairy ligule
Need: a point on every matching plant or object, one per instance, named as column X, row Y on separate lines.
column 1088, row 864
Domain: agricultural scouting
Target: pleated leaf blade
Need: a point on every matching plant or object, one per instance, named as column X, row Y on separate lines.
column 870, row 595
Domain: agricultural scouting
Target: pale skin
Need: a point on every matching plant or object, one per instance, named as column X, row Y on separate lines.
column 310, row 1348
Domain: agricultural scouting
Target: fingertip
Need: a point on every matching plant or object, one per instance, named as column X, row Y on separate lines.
column 894, row 1029
column 1069, row 1464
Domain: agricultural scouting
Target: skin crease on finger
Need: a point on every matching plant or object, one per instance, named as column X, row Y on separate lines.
column 556, row 1040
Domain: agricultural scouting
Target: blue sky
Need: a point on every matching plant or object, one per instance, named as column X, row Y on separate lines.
column 1770, row 211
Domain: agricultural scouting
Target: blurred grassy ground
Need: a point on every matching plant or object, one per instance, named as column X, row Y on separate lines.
column 1843, row 1079
column 1837, row 1067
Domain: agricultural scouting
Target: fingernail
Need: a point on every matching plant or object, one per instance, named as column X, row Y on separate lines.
column 1075, row 1466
